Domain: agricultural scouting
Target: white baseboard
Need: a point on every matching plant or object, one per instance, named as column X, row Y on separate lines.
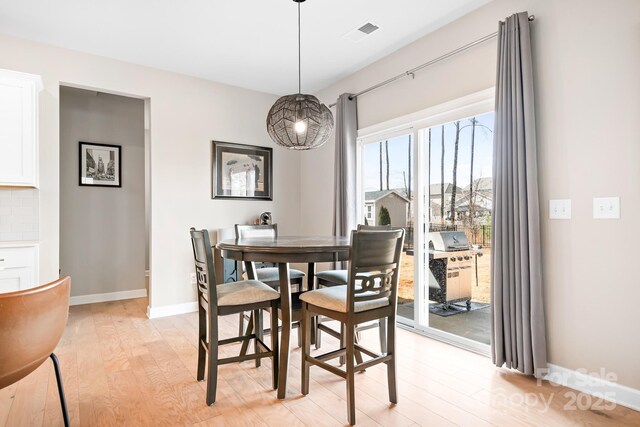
column 111, row 296
column 171, row 310
column 595, row 386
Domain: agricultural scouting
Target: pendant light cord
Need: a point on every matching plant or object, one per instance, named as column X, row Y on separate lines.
column 299, row 63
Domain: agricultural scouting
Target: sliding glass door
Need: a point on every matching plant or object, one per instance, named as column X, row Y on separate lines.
column 456, row 207
column 433, row 177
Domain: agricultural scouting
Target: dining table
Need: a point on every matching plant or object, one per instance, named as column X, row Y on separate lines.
column 283, row 250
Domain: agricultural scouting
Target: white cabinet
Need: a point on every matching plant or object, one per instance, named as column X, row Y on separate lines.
column 18, row 268
column 19, row 128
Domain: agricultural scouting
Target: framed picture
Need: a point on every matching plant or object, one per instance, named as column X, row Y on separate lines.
column 241, row 171
column 100, row 165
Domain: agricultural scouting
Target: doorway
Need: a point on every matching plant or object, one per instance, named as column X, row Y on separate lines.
column 103, row 195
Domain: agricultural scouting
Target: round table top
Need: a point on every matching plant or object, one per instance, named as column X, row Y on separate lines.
column 290, row 244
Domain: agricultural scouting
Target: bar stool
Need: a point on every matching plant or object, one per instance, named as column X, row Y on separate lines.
column 371, row 293
column 330, row 278
column 229, row 298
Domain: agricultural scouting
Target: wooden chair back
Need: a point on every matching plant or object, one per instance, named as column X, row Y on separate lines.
column 375, row 264
column 205, row 270
column 31, row 324
column 258, row 231
column 244, row 231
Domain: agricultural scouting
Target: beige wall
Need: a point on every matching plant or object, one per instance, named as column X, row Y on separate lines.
column 587, row 70
column 102, row 230
column 186, row 114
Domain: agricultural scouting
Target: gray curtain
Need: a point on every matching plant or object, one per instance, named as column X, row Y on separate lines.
column 518, row 325
column 345, row 200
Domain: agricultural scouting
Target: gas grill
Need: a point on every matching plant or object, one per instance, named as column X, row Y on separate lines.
column 451, row 266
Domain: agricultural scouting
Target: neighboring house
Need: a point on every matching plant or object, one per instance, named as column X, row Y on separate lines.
column 482, row 198
column 395, row 202
column 435, row 200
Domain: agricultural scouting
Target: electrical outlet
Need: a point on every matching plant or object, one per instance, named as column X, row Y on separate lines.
column 194, row 280
column 606, row 207
column 560, row 209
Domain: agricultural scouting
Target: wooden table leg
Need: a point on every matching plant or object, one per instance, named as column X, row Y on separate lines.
column 251, row 270
column 285, row 300
column 311, row 285
column 250, row 267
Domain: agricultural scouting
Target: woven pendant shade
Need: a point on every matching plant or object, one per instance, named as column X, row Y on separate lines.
column 299, row 122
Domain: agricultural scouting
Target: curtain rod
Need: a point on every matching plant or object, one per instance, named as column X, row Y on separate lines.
column 412, row 71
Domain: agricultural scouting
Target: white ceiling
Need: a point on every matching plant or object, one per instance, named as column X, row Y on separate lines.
column 250, row 43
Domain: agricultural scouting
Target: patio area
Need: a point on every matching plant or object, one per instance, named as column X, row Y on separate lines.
column 474, row 324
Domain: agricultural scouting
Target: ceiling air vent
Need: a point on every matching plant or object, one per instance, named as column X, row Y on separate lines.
column 361, row 31
column 368, row 28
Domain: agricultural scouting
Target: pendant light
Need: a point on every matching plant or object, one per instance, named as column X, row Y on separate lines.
column 299, row 121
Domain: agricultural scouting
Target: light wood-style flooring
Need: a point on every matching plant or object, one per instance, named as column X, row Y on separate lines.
column 120, row 369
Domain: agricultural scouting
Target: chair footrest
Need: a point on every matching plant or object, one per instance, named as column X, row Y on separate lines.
column 252, row 356
column 331, row 355
column 236, row 339
column 328, row 330
column 366, row 351
column 372, row 362
column 327, row 367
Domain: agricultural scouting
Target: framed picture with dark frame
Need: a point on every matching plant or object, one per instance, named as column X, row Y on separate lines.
column 241, row 171
column 100, row 165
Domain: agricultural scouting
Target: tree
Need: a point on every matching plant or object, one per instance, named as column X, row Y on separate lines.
column 442, row 180
column 380, row 144
column 383, row 216
column 473, row 195
column 455, row 171
column 472, row 207
column 386, row 148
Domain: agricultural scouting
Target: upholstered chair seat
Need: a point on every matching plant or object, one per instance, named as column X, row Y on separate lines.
column 334, row 277
column 245, row 292
column 271, row 274
column 335, row 299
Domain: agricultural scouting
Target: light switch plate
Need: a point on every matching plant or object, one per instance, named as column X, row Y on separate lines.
column 606, row 207
column 560, row 209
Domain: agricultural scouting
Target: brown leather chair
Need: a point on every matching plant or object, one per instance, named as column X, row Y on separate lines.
column 31, row 325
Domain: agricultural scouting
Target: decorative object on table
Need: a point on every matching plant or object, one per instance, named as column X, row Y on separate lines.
column 100, row 165
column 241, row 172
column 299, row 121
column 265, row 218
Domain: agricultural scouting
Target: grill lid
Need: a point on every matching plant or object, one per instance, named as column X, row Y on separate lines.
column 448, row 241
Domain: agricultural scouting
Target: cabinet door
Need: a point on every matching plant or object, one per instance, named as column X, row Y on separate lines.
column 15, row 279
column 18, row 268
column 18, row 129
